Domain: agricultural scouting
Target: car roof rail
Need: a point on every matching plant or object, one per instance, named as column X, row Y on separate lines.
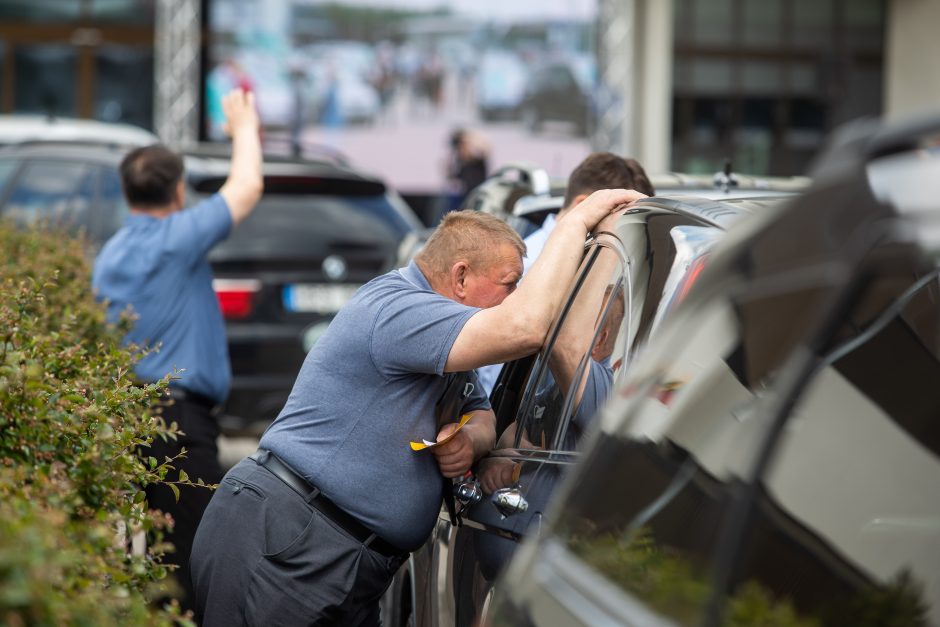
column 315, row 153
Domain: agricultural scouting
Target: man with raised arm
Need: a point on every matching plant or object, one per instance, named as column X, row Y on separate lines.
column 157, row 266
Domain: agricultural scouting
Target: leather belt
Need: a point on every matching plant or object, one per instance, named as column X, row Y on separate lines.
column 314, row 497
column 185, row 396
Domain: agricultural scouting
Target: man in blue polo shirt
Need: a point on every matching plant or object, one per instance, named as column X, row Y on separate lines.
column 312, row 527
column 157, row 266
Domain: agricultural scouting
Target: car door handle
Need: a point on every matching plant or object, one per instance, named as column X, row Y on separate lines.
column 509, row 501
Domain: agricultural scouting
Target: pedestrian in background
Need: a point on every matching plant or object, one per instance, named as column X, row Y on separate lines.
column 468, row 163
column 157, row 265
column 312, row 527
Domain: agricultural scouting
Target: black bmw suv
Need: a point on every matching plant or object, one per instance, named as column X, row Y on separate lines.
column 321, row 230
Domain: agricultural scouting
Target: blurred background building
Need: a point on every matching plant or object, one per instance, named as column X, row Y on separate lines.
column 681, row 85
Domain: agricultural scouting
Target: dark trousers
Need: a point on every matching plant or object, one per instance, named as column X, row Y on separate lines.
column 264, row 556
column 202, row 461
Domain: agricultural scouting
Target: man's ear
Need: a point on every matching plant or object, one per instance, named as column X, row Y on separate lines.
column 458, row 279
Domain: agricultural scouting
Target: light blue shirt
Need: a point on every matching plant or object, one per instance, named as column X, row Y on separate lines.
column 158, row 267
column 535, row 242
column 368, row 387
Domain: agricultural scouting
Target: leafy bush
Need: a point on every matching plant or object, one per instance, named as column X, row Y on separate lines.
column 71, row 420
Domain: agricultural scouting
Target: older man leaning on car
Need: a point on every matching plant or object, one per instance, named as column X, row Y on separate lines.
column 328, row 508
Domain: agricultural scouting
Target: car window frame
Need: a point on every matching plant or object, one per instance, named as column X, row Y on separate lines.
column 540, row 368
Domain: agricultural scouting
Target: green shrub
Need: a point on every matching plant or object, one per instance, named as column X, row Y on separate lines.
column 71, row 419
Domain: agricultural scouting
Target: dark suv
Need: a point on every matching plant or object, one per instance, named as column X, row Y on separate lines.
column 321, row 230
column 773, row 456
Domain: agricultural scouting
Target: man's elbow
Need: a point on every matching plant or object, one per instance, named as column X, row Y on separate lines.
column 254, row 189
column 529, row 332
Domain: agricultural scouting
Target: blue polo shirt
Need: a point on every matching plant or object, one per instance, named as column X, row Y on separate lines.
column 369, row 386
column 158, row 267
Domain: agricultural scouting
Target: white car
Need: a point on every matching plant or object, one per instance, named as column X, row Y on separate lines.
column 21, row 127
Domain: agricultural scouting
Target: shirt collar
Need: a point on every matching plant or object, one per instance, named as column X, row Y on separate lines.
column 412, row 273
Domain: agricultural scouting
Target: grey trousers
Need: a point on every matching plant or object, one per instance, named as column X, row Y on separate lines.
column 264, row 556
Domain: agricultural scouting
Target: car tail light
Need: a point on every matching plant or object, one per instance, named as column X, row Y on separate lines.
column 690, row 277
column 236, row 296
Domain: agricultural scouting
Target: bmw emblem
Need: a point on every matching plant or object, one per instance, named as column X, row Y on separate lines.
column 334, row 267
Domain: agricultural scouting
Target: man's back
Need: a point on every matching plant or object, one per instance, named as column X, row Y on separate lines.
column 158, row 268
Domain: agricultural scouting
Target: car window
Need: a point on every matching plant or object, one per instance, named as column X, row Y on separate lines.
column 850, row 534
column 111, row 208
column 661, row 480
column 305, row 226
column 57, row 192
column 7, row 168
column 578, row 364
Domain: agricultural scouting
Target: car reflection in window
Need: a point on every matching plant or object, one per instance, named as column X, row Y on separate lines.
column 573, row 377
column 843, row 525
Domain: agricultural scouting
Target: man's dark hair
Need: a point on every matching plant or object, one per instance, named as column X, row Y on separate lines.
column 604, row 170
column 149, row 176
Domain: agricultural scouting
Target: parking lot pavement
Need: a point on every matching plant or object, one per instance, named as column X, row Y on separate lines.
column 232, row 450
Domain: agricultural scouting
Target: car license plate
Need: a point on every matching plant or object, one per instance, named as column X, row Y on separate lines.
column 317, row 298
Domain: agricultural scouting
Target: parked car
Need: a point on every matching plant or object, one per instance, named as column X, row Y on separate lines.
column 562, row 91
column 629, row 281
column 22, row 127
column 500, row 84
column 320, row 231
column 523, row 193
column 773, row 456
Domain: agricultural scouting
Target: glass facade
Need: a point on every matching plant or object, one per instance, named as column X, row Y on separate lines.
column 762, row 83
column 82, row 58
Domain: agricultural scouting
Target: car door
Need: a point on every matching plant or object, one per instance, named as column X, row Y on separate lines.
column 561, row 388
column 648, row 267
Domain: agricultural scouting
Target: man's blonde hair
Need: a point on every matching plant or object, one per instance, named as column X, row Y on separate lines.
column 468, row 235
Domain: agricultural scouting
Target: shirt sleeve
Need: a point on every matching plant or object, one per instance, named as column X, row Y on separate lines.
column 414, row 333
column 596, row 390
column 194, row 231
column 479, row 395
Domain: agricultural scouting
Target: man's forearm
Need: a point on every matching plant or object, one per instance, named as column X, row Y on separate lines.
column 545, row 284
column 244, row 185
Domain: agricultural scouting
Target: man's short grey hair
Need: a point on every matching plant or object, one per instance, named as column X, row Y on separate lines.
column 470, row 236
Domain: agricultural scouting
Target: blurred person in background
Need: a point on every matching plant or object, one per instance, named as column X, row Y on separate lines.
column 467, row 164
column 157, row 266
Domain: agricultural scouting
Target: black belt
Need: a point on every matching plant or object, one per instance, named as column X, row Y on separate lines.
column 312, row 495
column 184, row 395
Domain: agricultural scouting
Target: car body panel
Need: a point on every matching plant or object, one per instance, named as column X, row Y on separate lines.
column 775, row 451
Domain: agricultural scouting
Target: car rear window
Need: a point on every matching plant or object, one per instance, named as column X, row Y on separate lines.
column 291, row 226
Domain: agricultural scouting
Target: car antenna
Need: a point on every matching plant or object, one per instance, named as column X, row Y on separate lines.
column 725, row 179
